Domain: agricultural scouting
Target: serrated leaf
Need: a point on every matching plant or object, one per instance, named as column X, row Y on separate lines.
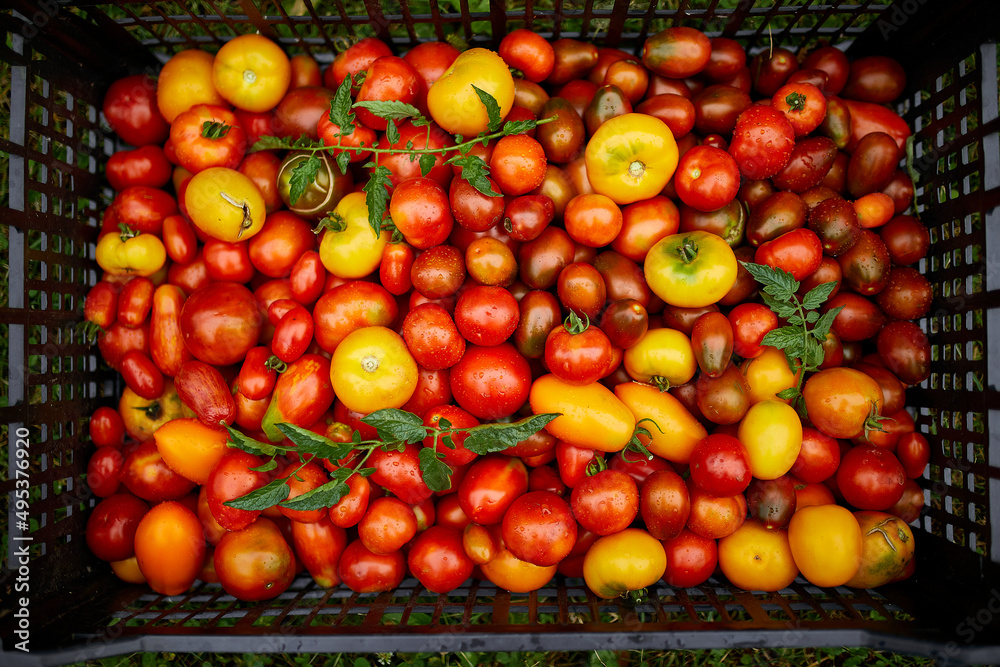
column 475, row 171
column 818, row 295
column 269, row 144
column 420, row 122
column 796, row 320
column 304, row 141
column 823, row 324
column 435, row 472
column 248, row 444
column 392, row 132
column 377, row 196
column 518, row 126
column 367, row 472
column 389, row 109
column 786, row 394
column 343, row 161
column 778, row 282
column 303, row 175
column 492, row 108
column 340, row 107
column 427, row 161
column 307, row 442
column 812, row 316
column 813, row 354
column 327, row 495
column 487, row 438
column 782, row 309
column 783, row 338
column 270, row 465
column 394, row 425
column 260, row 499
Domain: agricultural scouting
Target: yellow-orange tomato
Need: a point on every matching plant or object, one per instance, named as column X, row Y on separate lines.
column 628, row 560
column 170, row 548
column 768, row 374
column 591, row 416
column 826, row 544
column 631, row 157
column 225, row 204
column 128, row 570
column 772, row 433
column 512, row 574
column 184, row 81
column 191, row 448
column 663, row 357
column 887, row 549
column 252, row 73
column 372, row 369
column 143, row 417
column 676, row 431
column 453, row 102
column 757, row 559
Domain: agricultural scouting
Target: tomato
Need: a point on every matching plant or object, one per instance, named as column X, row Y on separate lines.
column 283, row 239
column 607, row 102
column 858, row 319
column 691, row 559
column 674, row 431
column 387, row 78
column 529, row 52
column 349, row 247
column 814, row 161
column 818, row 458
column 419, row 209
column 720, row 465
column 631, row 157
column 191, row 448
column 691, row 270
column 772, row 502
column 170, row 548
column 841, row 400
column 762, row 142
column 541, row 260
column 432, row 337
column 798, row 252
column 906, row 351
column 625, row 322
column 491, row 382
column 130, row 107
column 663, row 357
column 591, row 416
column 625, row 561
column 319, row 545
column 399, row 473
column 455, row 105
column 220, row 323
column 803, row 105
column 831, row 60
column 112, row 525
column 225, row 204
column 372, row 369
column 231, row 478
column 365, row 572
column 756, row 558
column 577, row 353
column 539, row 528
column 388, row 524
column 106, row 428
column 198, row 147
column 147, row 475
column 826, row 544
column 606, row 502
column 490, row 261
column 664, row 503
column 772, row 433
column 712, row 343
column 887, row 549
column 677, row 52
column 914, row 453
column 871, row 478
column 145, row 166
column 438, row 560
column 906, row 239
column 518, row 164
column 351, row 306
column 252, row 72
column 486, row 315
column 707, row 178
column 300, row 110
column 438, row 272
column 255, row 563
column 510, row 573
column 186, row 80
column 490, row 486
column 836, row 223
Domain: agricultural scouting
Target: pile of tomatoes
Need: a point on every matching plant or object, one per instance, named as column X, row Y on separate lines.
column 592, row 265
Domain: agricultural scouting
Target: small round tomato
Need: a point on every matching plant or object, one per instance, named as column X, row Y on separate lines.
column 388, row 524
column 720, row 465
column 762, row 141
column 251, row 72
column 387, row 78
column 184, row 81
column 772, row 433
column 365, row 572
column 691, row 559
column 707, row 178
column 518, row 164
column 756, row 558
column 491, row 382
column 372, row 369
column 871, row 478
column 631, row 157
column 490, row 486
column 690, row 270
column 432, row 337
column 130, row 107
column 798, row 252
column 486, row 315
column 826, row 544
column 664, row 503
column 529, row 52
column 625, row 561
column 208, row 136
column 677, row 52
column 803, row 105
column 281, row 241
column 106, row 428
column 170, row 547
column 112, row 525
column 818, row 458
column 606, row 502
column 419, row 208
column 576, row 352
column 663, row 357
column 906, row 351
column 539, row 528
column 349, row 247
column 592, row 219
column 438, row 559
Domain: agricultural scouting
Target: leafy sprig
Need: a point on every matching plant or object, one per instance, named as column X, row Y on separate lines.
column 472, row 168
column 395, row 429
column 801, row 339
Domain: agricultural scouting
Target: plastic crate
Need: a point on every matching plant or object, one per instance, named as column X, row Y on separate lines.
column 59, row 58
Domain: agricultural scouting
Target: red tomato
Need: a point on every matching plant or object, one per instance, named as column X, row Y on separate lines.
column 112, row 524
column 762, row 141
column 106, row 428
column 491, row 382
column 665, row 504
column 255, row 563
column 750, row 323
column 198, row 147
column 438, row 559
column 707, row 178
column 491, row 485
column 131, row 111
column 146, row 165
column 606, row 502
column 486, row 315
column 871, row 478
column 232, row 478
column 388, row 524
column 719, row 465
column 365, row 572
column 691, row 559
column 145, row 474
column 419, row 208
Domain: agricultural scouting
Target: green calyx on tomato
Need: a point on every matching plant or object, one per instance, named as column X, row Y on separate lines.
column 574, row 325
column 214, row 129
column 690, row 270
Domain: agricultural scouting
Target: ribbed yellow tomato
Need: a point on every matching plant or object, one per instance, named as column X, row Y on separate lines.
column 631, row 158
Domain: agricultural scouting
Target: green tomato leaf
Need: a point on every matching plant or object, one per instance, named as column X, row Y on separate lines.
column 390, row 109
column 777, row 282
column 303, row 175
column 812, row 316
column 340, row 107
column 783, row 338
column 518, row 126
column 487, row 438
column 782, row 309
column 377, row 196
column 270, row 465
column 269, row 144
column 492, row 108
column 395, row 425
column 260, row 499
column 427, row 161
column 305, row 142
column 786, row 394
column 818, row 295
column 247, row 444
column 392, row 132
column 343, row 161
column 436, row 473
column 367, row 472
column 214, row 129
column 327, row 495
column 307, row 442
column 813, row 356
column 824, row 323
column 475, row 171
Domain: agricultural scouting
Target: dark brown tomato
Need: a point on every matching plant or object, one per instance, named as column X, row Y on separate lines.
column 772, row 501
column 573, row 60
column 625, row 322
column 623, row 278
column 754, row 192
column 906, row 239
column 859, row 319
column 540, row 261
column 836, row 124
column 723, row 399
column 816, row 195
column 836, row 224
column 865, row 264
column 712, row 342
column 727, row 58
column 770, row 69
column 832, row 61
column 539, row 314
column 438, row 272
column 811, row 159
column 471, row 208
column 729, row 221
column 907, row 294
column 741, row 80
column 745, row 284
column 914, row 452
column 836, row 177
column 872, row 164
column 876, row 79
column 683, row 319
column 900, row 190
column 432, row 337
column 490, row 262
column 676, row 111
column 557, row 186
column 716, row 109
column 608, row 102
column 779, row 213
column 904, row 348
column 661, row 85
column 815, row 77
column 581, row 289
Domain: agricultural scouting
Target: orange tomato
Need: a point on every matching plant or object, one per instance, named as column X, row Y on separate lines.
column 186, row 80
column 676, row 431
column 757, row 559
column 767, row 374
column 128, row 570
column 170, row 548
column 512, row 574
column 252, row 73
column 191, row 448
column 826, row 544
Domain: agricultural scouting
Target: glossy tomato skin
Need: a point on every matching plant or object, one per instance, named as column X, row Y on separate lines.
column 720, row 466
column 664, row 503
column 318, row 546
column 606, row 502
column 399, row 472
column 628, row 560
column 438, row 560
column 539, row 527
column 145, row 474
column 491, row 382
column 762, row 142
column 220, row 323
column 871, row 478
column 146, row 165
column 170, row 547
column 131, row 109
column 232, row 478
column 905, row 350
column 112, row 525
column 491, row 485
column 486, row 315
column 578, row 358
column 365, row 572
column 255, row 563
column 691, row 559
column 798, row 252
column 707, row 178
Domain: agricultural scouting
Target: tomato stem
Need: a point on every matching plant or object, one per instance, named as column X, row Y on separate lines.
column 574, row 325
column 688, row 251
column 126, row 232
column 636, row 169
column 661, row 383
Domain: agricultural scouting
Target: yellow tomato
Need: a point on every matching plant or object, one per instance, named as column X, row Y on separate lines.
column 663, row 357
column 675, row 431
column 510, row 573
column 143, row 417
column 131, row 254
column 252, row 73
column 225, row 204
column 349, row 248
column 591, row 416
column 691, row 269
column 772, row 433
column 887, row 549
column 128, row 570
column 190, row 448
column 372, row 369
column 826, row 544
column 769, row 374
column 186, row 80
column 631, row 157
column 757, row 559
column 628, row 560
column 453, row 102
